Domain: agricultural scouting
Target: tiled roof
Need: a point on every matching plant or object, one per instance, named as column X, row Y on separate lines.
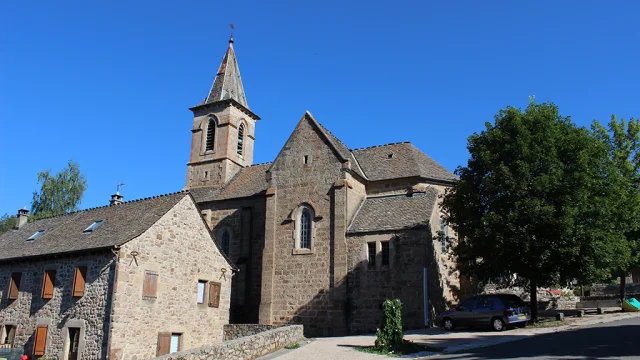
column 227, row 84
column 340, row 147
column 394, row 212
column 248, row 181
column 399, row 160
column 64, row 234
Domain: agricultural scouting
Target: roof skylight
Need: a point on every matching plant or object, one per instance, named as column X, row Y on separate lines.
column 34, row 236
column 93, row 226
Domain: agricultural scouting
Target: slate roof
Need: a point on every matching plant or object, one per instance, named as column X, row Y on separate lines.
column 399, row 160
column 249, row 181
column 394, row 212
column 64, row 234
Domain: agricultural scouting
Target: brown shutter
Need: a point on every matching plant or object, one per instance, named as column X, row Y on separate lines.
column 150, row 285
column 14, row 286
column 164, row 343
column 214, row 294
column 41, row 340
column 48, row 284
column 79, row 281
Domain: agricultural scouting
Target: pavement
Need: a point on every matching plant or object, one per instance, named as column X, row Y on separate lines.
column 459, row 342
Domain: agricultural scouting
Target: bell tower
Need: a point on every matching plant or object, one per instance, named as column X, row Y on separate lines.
column 223, row 129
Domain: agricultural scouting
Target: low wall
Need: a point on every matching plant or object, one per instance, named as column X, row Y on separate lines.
column 613, row 289
column 244, row 348
column 235, row 331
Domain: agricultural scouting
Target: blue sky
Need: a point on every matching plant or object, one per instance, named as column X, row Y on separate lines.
column 109, row 84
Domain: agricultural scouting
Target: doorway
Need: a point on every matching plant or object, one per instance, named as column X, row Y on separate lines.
column 74, row 343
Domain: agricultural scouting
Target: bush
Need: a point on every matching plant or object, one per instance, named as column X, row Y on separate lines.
column 390, row 336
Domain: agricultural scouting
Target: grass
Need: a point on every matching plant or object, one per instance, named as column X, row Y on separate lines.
column 292, row 346
column 408, row 347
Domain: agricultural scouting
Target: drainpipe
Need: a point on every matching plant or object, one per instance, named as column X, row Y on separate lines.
column 116, row 252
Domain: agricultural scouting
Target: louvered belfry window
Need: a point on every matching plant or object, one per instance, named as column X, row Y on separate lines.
column 305, row 229
column 211, row 135
column 240, row 138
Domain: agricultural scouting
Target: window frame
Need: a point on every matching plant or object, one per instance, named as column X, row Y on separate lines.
column 204, row 292
column 444, row 234
column 385, row 257
column 93, row 226
column 36, row 235
column 8, row 329
column 179, row 335
column 225, row 242
column 296, row 218
column 371, row 257
column 211, row 124
column 240, row 141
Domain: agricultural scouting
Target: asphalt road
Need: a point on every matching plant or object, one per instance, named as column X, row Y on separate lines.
column 614, row 340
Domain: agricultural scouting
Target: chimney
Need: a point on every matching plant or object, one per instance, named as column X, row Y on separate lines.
column 116, row 199
column 22, row 216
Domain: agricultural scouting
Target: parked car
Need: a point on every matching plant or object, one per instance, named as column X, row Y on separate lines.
column 496, row 310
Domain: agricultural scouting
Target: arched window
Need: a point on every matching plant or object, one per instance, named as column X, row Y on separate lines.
column 225, row 242
column 305, row 228
column 211, row 135
column 240, row 138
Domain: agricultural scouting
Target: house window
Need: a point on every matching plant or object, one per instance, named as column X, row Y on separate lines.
column 371, row 250
column 93, row 226
column 211, row 135
column 48, row 284
column 385, row 252
column 307, row 160
column 240, row 138
column 225, row 242
column 14, row 286
column 40, row 343
column 79, row 281
column 201, row 286
column 214, row 294
column 9, row 334
column 150, row 285
column 443, row 236
column 305, row 228
column 176, row 342
column 34, row 236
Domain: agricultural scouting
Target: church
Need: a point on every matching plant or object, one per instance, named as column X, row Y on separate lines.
column 324, row 234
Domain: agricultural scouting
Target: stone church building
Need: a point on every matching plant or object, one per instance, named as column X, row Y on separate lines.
column 323, row 234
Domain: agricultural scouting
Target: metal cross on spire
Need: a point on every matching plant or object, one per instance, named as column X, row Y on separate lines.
column 233, row 28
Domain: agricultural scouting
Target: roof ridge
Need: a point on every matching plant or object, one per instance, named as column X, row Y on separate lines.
column 377, row 146
column 108, row 205
column 264, row 163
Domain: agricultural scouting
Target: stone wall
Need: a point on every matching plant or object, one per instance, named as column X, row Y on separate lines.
column 234, row 331
column 613, row 289
column 180, row 250
column 245, row 348
column 90, row 312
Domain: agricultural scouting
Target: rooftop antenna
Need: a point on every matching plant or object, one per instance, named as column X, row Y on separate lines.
column 118, row 187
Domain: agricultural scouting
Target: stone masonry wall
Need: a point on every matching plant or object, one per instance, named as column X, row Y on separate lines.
column 90, row 312
column 234, row 331
column 300, row 287
column 180, row 250
column 245, row 348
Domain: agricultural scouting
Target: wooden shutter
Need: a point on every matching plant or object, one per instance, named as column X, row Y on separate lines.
column 214, row 294
column 150, row 285
column 40, row 343
column 48, row 284
column 79, row 281
column 164, row 343
column 14, row 286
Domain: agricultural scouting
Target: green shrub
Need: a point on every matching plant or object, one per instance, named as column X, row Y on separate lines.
column 389, row 333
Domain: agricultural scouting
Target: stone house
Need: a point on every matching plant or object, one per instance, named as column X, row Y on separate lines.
column 323, row 234
column 129, row 281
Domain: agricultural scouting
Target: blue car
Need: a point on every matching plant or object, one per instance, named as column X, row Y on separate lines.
column 496, row 311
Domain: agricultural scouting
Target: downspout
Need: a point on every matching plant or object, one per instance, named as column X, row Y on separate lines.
column 116, row 252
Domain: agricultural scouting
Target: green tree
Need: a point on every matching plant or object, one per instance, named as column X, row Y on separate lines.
column 7, row 222
column 622, row 139
column 526, row 206
column 58, row 194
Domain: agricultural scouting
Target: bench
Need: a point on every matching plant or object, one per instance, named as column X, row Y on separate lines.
column 598, row 305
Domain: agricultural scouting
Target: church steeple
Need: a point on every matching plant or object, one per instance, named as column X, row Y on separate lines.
column 228, row 83
column 223, row 130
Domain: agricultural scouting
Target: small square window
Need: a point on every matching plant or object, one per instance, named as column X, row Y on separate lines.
column 34, row 236
column 93, row 226
column 201, row 285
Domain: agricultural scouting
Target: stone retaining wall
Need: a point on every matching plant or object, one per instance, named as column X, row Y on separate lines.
column 613, row 289
column 235, row 331
column 245, row 348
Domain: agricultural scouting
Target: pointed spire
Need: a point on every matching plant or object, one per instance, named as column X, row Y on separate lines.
column 228, row 84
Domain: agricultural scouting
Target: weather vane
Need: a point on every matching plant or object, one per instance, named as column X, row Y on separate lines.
column 118, row 187
column 233, row 27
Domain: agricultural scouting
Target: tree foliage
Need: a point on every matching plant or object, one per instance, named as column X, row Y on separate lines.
column 389, row 335
column 532, row 204
column 7, row 222
column 58, row 194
